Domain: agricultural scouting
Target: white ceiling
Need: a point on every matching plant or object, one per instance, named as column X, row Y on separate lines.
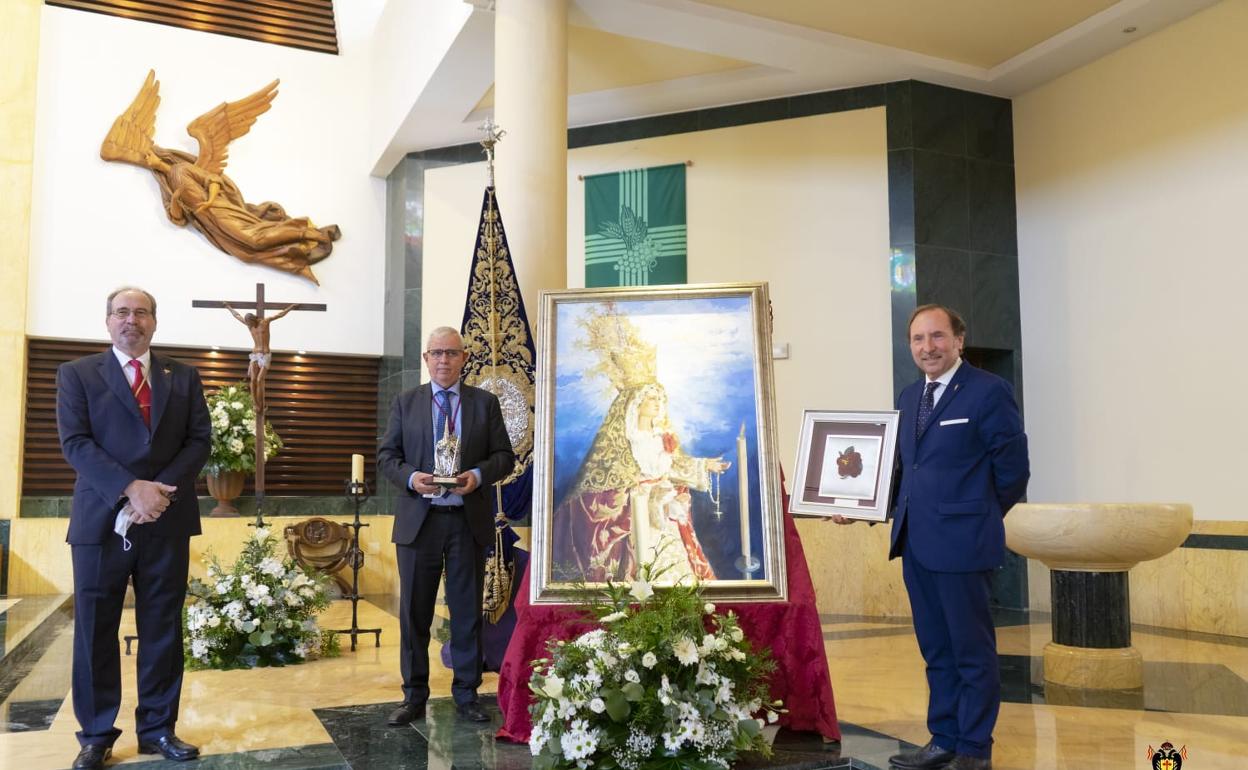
column 635, row 58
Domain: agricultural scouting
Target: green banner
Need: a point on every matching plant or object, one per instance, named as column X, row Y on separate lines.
column 635, row 232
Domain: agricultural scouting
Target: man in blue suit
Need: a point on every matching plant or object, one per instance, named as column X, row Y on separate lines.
column 962, row 459
column 436, row 527
column 135, row 427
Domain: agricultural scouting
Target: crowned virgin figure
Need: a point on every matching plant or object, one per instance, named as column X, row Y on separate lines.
column 631, row 502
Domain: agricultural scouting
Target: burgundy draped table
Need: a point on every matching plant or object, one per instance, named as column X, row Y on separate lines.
column 791, row 631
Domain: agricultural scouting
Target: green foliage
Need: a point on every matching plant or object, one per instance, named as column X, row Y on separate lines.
column 664, row 682
column 234, row 431
column 261, row 612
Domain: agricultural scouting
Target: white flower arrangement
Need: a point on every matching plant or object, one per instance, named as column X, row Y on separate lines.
column 642, row 692
column 262, row 612
column 233, row 419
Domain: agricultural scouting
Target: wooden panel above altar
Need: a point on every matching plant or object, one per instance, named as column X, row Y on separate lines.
column 306, row 24
column 323, row 406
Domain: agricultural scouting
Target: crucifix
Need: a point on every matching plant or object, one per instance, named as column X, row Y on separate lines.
column 261, row 357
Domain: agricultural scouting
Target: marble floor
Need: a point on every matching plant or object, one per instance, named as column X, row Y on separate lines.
column 330, row 713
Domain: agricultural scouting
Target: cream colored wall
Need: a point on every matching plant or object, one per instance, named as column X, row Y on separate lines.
column 801, row 204
column 96, row 225
column 1132, row 181
column 39, row 557
column 1132, row 178
column 19, row 57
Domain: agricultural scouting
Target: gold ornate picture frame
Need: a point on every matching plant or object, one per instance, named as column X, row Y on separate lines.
column 650, row 402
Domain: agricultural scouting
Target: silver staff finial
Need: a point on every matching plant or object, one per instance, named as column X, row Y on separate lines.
column 492, row 136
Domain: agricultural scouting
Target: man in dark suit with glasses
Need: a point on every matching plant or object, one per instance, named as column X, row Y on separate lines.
column 437, row 524
column 135, row 428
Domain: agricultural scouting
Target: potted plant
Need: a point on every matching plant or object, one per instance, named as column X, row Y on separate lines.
column 664, row 682
column 259, row 612
column 233, row 452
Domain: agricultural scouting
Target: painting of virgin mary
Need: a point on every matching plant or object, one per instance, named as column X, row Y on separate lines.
column 654, row 451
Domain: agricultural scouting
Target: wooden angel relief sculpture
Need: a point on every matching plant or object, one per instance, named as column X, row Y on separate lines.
column 196, row 191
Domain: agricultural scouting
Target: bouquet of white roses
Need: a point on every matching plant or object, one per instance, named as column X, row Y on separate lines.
column 261, row 612
column 665, row 682
column 234, row 431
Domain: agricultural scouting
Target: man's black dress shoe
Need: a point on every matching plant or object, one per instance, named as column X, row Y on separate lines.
column 91, row 757
column 964, row 762
column 472, row 712
column 930, row 757
column 171, row 747
column 408, row 712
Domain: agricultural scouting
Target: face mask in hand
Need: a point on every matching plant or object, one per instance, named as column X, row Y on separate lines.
column 122, row 525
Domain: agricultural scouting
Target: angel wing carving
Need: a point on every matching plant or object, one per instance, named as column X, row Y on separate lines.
column 197, row 192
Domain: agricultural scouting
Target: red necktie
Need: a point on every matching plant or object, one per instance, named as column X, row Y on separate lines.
column 142, row 391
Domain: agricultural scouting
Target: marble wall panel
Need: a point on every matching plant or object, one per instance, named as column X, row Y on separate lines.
column 941, row 214
column 40, row 564
column 901, row 196
column 225, row 538
column 990, row 193
column 850, row 569
column 938, row 118
column 39, row 557
column 944, row 276
column 993, row 309
column 989, row 127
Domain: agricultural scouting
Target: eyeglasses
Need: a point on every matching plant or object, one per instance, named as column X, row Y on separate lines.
column 139, row 313
column 443, row 353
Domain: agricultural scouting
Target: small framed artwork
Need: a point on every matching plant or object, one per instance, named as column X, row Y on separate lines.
column 845, row 464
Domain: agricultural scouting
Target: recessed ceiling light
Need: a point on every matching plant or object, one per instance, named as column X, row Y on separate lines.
column 303, row 352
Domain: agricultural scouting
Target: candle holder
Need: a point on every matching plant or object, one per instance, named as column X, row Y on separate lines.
column 357, row 492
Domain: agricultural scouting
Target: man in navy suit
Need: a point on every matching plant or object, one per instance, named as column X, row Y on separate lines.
column 434, row 525
column 962, row 460
column 135, row 427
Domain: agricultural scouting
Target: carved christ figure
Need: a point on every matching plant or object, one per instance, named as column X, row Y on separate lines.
column 261, row 356
column 197, row 192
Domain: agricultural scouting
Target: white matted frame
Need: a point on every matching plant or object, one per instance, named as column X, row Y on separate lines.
column 845, row 464
column 651, row 401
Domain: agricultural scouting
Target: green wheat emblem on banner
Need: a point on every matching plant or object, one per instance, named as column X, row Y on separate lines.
column 635, row 231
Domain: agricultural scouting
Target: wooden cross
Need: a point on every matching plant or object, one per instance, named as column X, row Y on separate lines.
column 259, row 366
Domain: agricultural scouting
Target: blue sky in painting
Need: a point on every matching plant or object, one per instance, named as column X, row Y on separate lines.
column 705, row 358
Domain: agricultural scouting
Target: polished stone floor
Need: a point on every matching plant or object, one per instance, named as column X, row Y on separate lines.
column 330, row 713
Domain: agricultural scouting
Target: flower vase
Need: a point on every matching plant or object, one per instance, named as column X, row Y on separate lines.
column 225, row 486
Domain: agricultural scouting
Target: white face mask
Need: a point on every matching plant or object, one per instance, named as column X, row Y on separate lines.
column 122, row 525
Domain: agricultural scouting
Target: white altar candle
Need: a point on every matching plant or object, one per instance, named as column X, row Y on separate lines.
column 743, row 497
column 357, row 469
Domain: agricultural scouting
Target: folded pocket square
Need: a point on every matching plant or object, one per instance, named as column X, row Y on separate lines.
column 958, row 421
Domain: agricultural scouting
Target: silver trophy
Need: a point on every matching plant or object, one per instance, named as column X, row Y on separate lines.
column 446, row 458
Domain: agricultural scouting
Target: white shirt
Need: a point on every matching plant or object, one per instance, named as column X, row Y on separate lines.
column 145, row 361
column 944, row 381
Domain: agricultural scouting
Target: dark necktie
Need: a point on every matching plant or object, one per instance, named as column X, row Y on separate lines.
column 142, row 391
column 444, row 414
column 926, row 404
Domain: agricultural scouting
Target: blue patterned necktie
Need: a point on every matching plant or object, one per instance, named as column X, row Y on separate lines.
column 926, row 404
column 444, row 413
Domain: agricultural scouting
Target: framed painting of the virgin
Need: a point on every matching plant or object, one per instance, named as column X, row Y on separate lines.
column 656, row 442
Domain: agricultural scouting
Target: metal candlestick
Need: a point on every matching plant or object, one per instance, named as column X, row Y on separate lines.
column 356, row 491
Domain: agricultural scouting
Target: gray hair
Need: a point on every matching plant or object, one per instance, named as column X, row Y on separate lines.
column 122, row 290
column 443, row 331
